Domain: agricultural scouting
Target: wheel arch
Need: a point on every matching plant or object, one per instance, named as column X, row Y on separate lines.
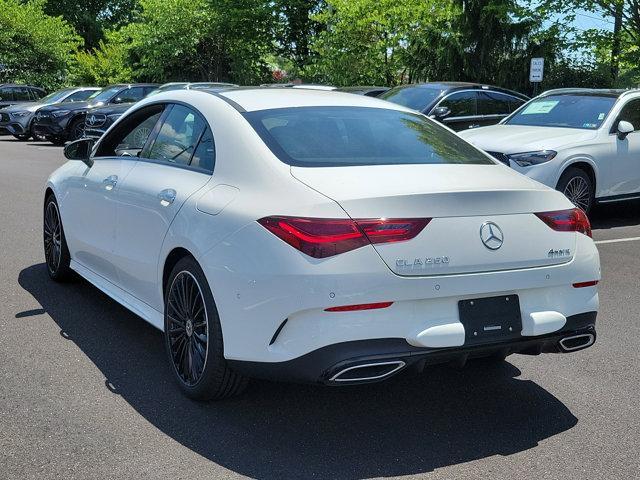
column 587, row 167
column 170, row 261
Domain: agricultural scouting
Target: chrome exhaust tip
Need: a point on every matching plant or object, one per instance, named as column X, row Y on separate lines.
column 577, row 342
column 368, row 372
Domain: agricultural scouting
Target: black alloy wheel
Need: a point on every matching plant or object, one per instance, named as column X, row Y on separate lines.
column 188, row 329
column 577, row 187
column 76, row 131
column 56, row 253
column 193, row 336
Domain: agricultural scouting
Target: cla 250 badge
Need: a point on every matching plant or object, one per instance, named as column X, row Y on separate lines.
column 421, row 262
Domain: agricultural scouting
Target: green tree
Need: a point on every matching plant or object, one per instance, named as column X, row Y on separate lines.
column 368, row 41
column 91, row 18
column 296, row 27
column 108, row 63
column 34, row 47
column 212, row 40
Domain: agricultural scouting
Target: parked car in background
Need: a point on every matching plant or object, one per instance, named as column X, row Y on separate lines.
column 368, row 91
column 458, row 105
column 397, row 244
column 583, row 142
column 12, row 94
column 101, row 118
column 65, row 121
column 17, row 120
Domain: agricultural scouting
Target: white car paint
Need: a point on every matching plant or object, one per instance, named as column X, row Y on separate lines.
column 120, row 234
column 615, row 162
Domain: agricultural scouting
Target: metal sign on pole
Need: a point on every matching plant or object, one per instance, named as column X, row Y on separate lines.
column 536, row 73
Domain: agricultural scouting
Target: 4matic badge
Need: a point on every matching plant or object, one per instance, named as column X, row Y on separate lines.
column 563, row 252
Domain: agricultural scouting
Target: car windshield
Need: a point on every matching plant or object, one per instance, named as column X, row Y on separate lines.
column 586, row 111
column 56, row 97
column 348, row 136
column 105, row 94
column 417, row 98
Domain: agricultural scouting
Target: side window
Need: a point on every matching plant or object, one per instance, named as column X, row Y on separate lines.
column 148, row 90
column 129, row 95
column 21, row 93
column 462, row 104
column 204, row 156
column 36, row 93
column 131, row 134
column 79, row 96
column 630, row 113
column 493, row 103
column 178, row 136
column 6, row 93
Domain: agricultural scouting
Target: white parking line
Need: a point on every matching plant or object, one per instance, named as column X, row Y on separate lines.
column 618, row 240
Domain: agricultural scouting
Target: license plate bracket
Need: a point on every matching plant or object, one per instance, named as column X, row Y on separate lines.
column 490, row 319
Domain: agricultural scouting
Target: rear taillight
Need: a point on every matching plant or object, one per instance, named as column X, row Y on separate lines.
column 574, row 220
column 326, row 237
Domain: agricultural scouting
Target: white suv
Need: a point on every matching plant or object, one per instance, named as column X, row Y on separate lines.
column 583, row 142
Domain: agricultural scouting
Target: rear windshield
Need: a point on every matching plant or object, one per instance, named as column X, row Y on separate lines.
column 417, row 98
column 351, row 136
column 569, row 111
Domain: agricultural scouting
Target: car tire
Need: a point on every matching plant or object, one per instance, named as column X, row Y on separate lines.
column 193, row 336
column 577, row 186
column 56, row 252
column 76, row 130
column 57, row 141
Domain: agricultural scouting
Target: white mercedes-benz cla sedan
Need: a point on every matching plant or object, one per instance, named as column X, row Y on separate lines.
column 583, row 142
column 318, row 237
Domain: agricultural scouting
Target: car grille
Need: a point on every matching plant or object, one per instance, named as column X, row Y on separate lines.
column 95, row 119
column 501, row 157
column 4, row 117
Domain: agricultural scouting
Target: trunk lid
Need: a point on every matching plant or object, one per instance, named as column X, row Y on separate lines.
column 473, row 208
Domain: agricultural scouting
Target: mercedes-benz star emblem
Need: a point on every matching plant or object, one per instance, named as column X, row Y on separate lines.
column 491, row 235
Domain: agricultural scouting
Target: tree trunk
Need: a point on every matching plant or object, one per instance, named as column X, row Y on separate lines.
column 616, row 43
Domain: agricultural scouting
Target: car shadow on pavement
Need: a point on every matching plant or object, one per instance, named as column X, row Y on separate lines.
column 409, row 425
column 612, row 215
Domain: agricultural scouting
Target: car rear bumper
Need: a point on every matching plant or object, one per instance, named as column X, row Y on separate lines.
column 366, row 361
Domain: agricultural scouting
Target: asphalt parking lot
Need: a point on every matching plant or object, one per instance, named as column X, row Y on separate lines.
column 85, row 392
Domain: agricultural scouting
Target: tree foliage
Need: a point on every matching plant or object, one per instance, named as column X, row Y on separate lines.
column 91, row 18
column 368, row 41
column 34, row 47
column 342, row 42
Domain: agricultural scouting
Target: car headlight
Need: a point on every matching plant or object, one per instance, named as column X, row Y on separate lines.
column 114, row 116
column 60, row 113
column 528, row 159
column 20, row 114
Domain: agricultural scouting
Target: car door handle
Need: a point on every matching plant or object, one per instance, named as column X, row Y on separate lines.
column 167, row 197
column 110, row 182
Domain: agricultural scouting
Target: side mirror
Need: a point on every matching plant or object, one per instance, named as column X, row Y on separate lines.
column 80, row 150
column 440, row 113
column 624, row 129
